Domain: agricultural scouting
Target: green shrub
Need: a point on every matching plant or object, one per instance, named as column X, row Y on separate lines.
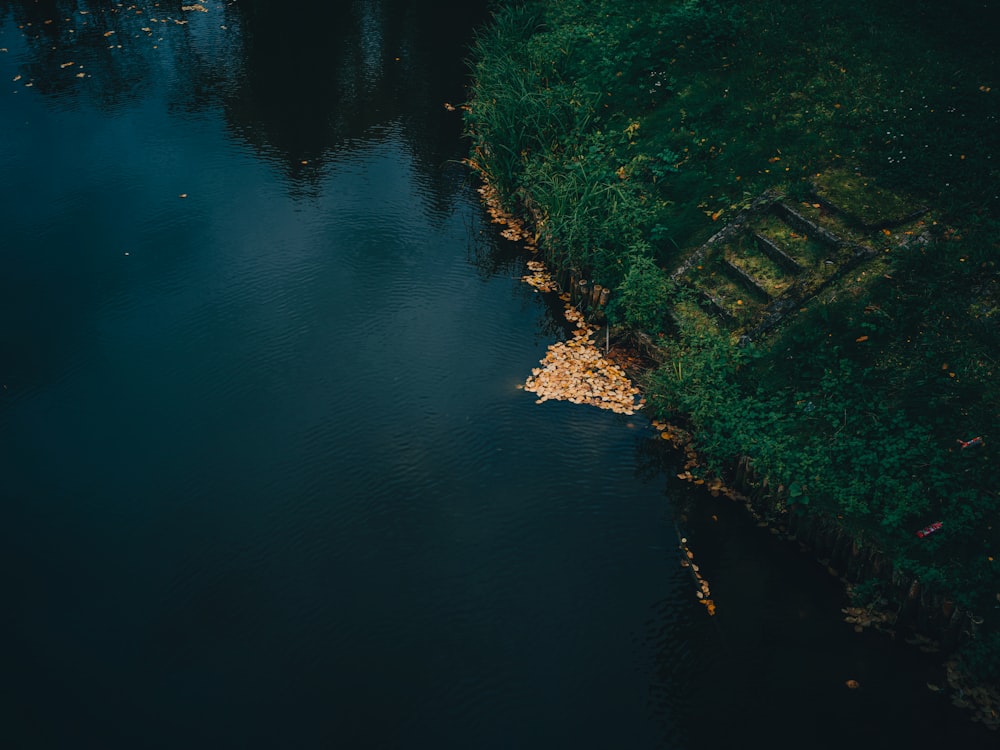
column 642, row 300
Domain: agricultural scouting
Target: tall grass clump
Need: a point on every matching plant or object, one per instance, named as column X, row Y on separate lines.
column 536, row 137
column 511, row 116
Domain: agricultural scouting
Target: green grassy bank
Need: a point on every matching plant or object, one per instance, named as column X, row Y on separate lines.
column 630, row 134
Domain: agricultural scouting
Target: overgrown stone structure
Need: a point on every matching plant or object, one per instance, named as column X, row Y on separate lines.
column 778, row 254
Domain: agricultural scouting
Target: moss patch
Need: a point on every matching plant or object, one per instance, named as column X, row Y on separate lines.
column 862, row 201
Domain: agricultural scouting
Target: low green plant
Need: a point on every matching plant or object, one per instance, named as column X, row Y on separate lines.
column 642, row 301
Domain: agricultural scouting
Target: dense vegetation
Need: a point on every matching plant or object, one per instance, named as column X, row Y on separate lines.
column 628, row 134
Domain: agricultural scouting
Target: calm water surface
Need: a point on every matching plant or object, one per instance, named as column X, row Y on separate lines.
column 267, row 479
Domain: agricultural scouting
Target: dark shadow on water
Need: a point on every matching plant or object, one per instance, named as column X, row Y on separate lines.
column 300, row 87
column 352, row 71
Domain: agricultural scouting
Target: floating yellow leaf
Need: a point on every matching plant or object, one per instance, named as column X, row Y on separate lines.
column 859, row 339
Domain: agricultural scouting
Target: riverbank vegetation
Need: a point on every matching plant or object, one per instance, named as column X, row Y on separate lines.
column 800, row 206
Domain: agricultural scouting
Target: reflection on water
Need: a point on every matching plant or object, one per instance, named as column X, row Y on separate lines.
column 354, row 68
column 370, row 34
column 296, row 88
column 268, row 480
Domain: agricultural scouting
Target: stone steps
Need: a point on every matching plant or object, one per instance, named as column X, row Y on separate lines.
column 775, row 256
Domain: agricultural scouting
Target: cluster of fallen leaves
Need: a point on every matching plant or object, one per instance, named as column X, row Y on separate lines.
column 869, row 617
column 514, row 229
column 703, row 591
column 681, row 439
column 573, row 370
column 539, row 278
column 576, row 371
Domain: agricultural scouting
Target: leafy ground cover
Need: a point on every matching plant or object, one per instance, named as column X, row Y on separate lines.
column 630, row 134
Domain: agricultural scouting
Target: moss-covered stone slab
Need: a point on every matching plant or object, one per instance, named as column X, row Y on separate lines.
column 697, row 316
column 770, row 249
column 812, row 255
column 771, row 277
column 732, row 298
column 862, row 202
column 746, row 280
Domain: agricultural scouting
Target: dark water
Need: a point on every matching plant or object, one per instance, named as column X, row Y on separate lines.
column 267, row 480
